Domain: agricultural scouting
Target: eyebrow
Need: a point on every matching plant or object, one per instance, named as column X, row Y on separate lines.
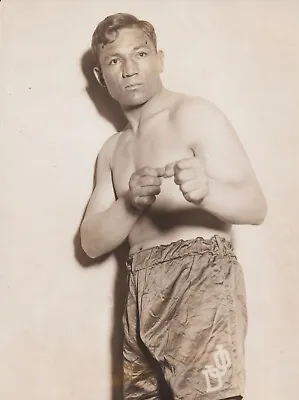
column 106, row 58
column 141, row 46
column 109, row 56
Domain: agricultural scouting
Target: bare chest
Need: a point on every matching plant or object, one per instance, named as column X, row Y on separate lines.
column 159, row 144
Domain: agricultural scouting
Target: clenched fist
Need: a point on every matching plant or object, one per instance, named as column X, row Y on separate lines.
column 191, row 178
column 144, row 186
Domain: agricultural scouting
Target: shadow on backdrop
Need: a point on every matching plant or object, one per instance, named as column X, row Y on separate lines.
column 111, row 111
column 105, row 105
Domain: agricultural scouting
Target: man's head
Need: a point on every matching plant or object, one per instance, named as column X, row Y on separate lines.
column 128, row 63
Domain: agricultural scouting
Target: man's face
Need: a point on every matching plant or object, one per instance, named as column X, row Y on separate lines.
column 131, row 67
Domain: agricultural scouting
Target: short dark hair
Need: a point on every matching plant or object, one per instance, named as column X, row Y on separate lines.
column 108, row 30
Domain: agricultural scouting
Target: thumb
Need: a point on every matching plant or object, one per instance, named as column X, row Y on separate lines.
column 160, row 172
column 169, row 170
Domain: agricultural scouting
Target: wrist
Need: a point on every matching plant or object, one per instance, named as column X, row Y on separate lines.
column 130, row 206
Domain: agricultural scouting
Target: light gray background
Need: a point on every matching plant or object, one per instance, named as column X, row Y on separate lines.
column 57, row 316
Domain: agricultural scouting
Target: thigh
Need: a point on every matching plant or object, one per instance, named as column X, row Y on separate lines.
column 204, row 353
column 140, row 380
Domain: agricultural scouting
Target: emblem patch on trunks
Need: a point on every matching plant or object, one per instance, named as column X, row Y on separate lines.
column 215, row 373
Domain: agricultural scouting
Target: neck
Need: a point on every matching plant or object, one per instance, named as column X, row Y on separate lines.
column 135, row 115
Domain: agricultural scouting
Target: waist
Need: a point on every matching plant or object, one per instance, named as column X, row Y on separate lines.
column 141, row 241
column 166, row 252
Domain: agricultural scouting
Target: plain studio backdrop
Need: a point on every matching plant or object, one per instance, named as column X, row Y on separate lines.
column 60, row 330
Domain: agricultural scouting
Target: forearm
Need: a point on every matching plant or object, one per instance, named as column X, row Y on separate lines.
column 104, row 231
column 235, row 204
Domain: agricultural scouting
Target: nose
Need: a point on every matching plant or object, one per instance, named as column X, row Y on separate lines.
column 129, row 69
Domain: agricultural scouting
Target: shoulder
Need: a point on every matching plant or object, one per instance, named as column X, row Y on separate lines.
column 113, row 144
column 199, row 110
column 108, row 149
column 201, row 120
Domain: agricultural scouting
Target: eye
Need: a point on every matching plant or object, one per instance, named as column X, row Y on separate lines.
column 114, row 61
column 142, row 53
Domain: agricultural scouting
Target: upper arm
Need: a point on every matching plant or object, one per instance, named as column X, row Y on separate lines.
column 103, row 195
column 214, row 141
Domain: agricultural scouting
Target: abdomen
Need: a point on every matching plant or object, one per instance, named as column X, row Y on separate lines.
column 172, row 218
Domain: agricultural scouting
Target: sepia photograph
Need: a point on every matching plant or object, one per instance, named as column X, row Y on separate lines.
column 149, row 199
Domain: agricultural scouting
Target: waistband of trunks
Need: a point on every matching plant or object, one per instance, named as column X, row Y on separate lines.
column 162, row 253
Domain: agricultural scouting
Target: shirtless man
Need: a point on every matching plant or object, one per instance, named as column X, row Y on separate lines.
column 172, row 182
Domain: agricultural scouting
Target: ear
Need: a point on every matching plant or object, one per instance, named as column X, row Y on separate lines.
column 99, row 76
column 160, row 55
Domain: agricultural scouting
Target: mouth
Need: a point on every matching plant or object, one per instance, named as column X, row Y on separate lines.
column 133, row 86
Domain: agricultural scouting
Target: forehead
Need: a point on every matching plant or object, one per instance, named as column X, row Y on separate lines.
column 126, row 39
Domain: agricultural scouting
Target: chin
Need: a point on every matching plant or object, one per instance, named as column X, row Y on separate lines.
column 134, row 103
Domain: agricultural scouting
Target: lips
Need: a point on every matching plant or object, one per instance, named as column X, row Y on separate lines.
column 133, row 86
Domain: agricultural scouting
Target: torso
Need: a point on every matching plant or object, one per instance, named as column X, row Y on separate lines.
column 161, row 140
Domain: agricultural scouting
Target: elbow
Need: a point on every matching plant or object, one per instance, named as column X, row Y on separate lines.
column 261, row 215
column 258, row 219
column 87, row 247
column 260, row 211
column 89, row 251
column 88, row 242
column 252, row 210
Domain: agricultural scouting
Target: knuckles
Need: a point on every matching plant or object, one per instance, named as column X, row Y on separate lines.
column 192, row 196
column 145, row 183
column 196, row 195
column 149, row 190
column 148, row 171
column 184, row 188
column 150, row 180
column 143, row 201
column 148, row 200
